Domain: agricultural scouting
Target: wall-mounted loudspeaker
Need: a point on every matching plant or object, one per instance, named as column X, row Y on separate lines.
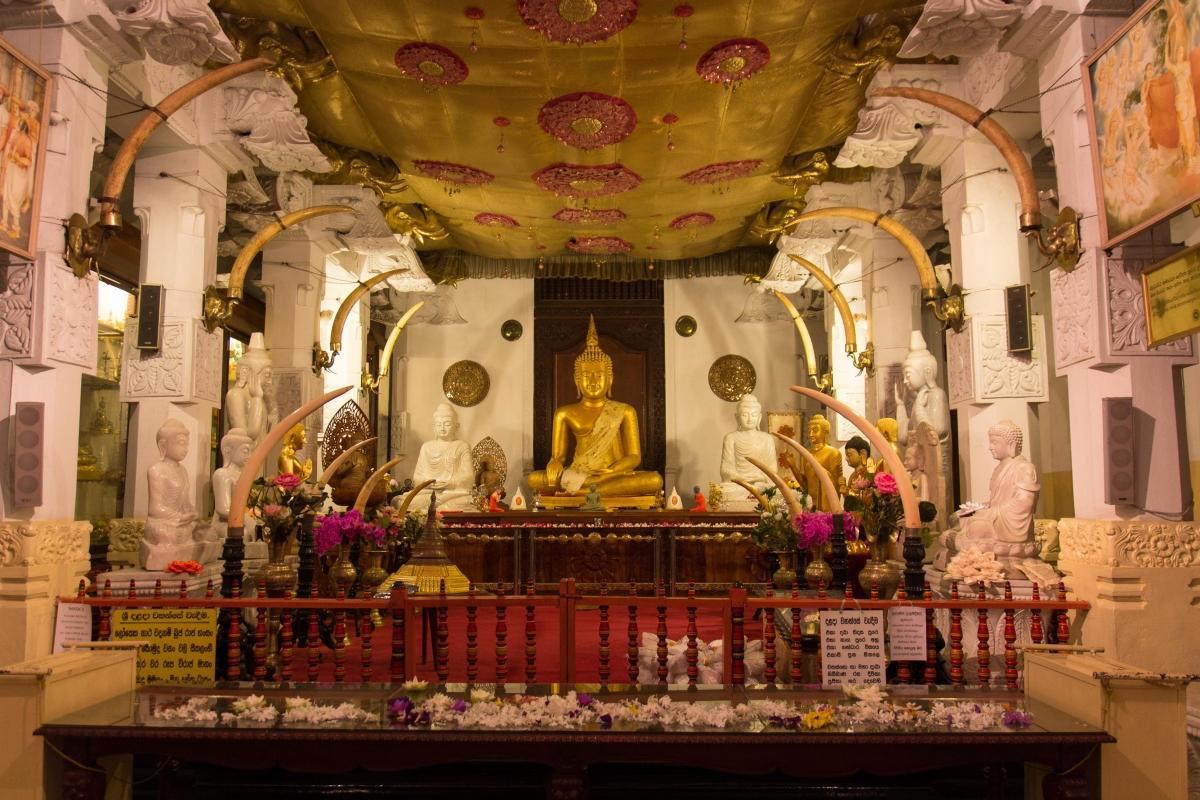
column 1020, row 326
column 149, row 317
column 28, row 464
column 1120, row 465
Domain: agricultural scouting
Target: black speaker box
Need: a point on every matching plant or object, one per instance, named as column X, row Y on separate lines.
column 1120, row 463
column 1020, row 325
column 149, row 317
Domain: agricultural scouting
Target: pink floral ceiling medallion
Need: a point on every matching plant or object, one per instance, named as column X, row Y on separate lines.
column 455, row 176
column 697, row 219
column 577, row 21
column 587, row 120
column 732, row 61
column 430, row 64
column 721, row 172
column 579, row 181
column 590, row 216
column 496, row 220
column 599, row 245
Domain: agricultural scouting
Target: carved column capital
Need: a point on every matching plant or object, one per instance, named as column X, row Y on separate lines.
column 176, row 31
column 260, row 110
column 960, row 27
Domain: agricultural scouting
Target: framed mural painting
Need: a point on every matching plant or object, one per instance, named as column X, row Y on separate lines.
column 787, row 423
column 24, row 125
column 1141, row 89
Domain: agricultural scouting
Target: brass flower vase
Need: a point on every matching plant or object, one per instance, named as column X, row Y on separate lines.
column 818, row 570
column 373, row 575
column 785, row 575
column 278, row 573
column 343, row 573
column 879, row 571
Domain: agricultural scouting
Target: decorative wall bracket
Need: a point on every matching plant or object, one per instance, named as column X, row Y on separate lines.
column 864, row 360
column 85, row 245
column 321, row 359
column 1061, row 240
column 947, row 306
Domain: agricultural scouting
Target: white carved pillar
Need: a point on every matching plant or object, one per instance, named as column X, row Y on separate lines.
column 180, row 216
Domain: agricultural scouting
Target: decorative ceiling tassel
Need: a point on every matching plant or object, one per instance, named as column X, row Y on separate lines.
column 682, row 12
column 473, row 13
column 501, row 123
column 669, row 119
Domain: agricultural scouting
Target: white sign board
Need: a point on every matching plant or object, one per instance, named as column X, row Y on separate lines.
column 906, row 634
column 72, row 623
column 852, row 648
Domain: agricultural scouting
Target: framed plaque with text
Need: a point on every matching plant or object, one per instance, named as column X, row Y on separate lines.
column 1171, row 292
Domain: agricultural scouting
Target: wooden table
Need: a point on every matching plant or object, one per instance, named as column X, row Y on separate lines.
column 613, row 547
column 559, row 763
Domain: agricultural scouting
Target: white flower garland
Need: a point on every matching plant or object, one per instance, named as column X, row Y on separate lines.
column 302, row 711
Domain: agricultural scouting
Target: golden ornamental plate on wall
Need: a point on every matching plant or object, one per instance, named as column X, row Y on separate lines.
column 465, row 383
column 731, row 377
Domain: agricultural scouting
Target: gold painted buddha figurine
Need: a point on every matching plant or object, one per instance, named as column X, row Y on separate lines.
column 608, row 446
column 829, row 457
column 891, row 431
column 289, row 460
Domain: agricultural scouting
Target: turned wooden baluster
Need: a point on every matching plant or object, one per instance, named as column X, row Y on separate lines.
column 105, row 612
column 367, row 670
column 339, row 638
column 81, row 590
column 286, row 640
column 769, row 641
column 875, row 589
column 903, row 670
column 502, row 637
column 312, row 642
column 441, row 643
column 530, row 635
column 848, row 591
column 132, row 593
column 956, row 638
column 737, row 648
column 1064, row 624
column 399, row 611
column 822, row 590
column 794, row 672
column 693, row 654
column 605, row 631
column 1036, row 634
column 233, row 650
column 631, row 652
column 472, row 637
column 210, row 591
column 157, row 588
column 260, row 636
column 1010, row 641
column 930, row 675
column 984, row 649
column 661, row 631
column 183, row 589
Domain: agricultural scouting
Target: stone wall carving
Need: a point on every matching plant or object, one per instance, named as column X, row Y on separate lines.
column 980, row 368
column 261, row 110
column 16, row 311
column 960, row 367
column 176, row 31
column 960, row 27
column 1127, row 316
column 30, row 544
column 71, row 318
column 1118, row 543
column 206, row 364
column 157, row 373
column 1072, row 298
column 125, row 534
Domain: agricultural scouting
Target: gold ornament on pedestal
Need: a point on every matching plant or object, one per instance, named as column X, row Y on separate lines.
column 289, row 459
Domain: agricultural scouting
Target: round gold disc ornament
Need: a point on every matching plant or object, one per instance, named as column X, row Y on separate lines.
column 465, row 383
column 511, row 330
column 685, row 326
column 731, row 378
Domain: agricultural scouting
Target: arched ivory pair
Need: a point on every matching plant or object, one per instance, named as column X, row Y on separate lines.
column 360, row 502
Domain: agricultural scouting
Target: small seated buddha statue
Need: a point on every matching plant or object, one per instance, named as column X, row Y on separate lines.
column 608, row 448
column 289, row 458
column 858, row 458
column 747, row 442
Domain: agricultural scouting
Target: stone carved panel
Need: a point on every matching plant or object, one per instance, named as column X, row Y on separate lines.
column 158, row 373
column 1072, row 296
column 980, row 369
column 71, row 318
column 1127, row 316
column 125, row 534
column 206, row 364
column 30, row 544
column 1117, row 543
column 960, row 368
column 960, row 27
column 16, row 311
column 176, row 31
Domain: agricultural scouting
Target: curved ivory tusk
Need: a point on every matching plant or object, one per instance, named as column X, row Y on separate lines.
column 408, row 498
column 331, row 470
column 364, row 494
column 237, row 275
column 759, row 496
column 339, row 319
column 241, row 490
column 912, row 515
column 810, row 357
column 839, row 300
column 1031, row 215
column 788, row 495
column 907, row 239
column 827, row 487
column 385, row 359
column 114, row 184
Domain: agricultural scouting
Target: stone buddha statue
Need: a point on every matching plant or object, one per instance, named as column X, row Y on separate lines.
column 1005, row 525
column 829, row 457
column 929, row 403
column 171, row 533
column 289, row 458
column 608, row 448
column 745, row 443
column 250, row 402
column 446, row 461
column 235, row 449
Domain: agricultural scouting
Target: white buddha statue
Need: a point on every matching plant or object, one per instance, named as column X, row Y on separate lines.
column 738, row 447
column 929, row 400
column 236, row 446
column 171, row 530
column 446, row 461
column 250, row 402
column 1005, row 525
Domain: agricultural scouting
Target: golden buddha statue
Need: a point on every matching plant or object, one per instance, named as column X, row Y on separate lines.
column 829, row 457
column 858, row 458
column 608, row 447
column 289, row 460
column 891, row 431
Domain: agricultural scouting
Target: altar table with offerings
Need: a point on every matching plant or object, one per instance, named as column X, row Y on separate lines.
column 711, row 549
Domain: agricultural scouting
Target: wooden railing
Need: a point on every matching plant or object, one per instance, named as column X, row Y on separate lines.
column 284, row 638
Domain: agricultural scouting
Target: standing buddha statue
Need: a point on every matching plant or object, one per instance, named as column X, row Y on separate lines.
column 829, row 457
column 608, row 448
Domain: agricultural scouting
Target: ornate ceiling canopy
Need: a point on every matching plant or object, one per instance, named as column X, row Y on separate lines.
column 516, row 130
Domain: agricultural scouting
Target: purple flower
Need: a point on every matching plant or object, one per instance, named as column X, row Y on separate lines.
column 605, row 722
column 401, row 705
column 1017, row 719
column 815, row 528
column 287, row 481
column 584, row 699
column 850, row 526
column 459, row 705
